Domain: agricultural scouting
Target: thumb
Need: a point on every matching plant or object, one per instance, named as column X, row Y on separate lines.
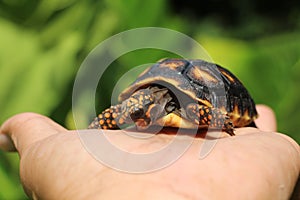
column 24, row 129
column 266, row 120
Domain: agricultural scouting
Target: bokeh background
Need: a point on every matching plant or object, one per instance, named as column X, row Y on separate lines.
column 43, row 43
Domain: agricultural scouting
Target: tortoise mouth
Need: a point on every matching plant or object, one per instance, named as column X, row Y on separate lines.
column 142, row 123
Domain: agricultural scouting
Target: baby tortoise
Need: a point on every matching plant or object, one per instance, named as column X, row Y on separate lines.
column 182, row 93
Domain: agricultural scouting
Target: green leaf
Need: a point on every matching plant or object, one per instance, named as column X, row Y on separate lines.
column 33, row 80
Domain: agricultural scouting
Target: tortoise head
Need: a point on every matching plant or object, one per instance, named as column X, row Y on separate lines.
column 143, row 107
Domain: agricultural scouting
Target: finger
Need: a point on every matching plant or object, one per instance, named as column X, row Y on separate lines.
column 24, row 129
column 273, row 160
column 266, row 120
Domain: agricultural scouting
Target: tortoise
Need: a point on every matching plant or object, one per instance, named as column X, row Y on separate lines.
column 183, row 94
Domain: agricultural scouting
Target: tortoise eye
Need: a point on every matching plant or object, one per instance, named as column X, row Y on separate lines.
column 137, row 114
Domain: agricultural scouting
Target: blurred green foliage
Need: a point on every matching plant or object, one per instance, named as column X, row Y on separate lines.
column 43, row 43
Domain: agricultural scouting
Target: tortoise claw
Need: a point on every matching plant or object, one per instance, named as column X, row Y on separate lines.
column 228, row 127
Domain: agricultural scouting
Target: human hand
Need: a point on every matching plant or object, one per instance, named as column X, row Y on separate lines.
column 254, row 164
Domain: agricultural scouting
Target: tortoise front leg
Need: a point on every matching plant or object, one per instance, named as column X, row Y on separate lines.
column 108, row 119
column 212, row 117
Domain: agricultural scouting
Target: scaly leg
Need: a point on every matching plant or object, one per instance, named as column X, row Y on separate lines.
column 212, row 117
column 108, row 119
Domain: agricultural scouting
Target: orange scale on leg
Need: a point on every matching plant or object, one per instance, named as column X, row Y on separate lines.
column 107, row 115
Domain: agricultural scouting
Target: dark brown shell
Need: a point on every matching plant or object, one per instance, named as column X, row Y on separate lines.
column 204, row 82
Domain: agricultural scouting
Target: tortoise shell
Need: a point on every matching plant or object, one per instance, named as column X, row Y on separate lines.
column 204, row 82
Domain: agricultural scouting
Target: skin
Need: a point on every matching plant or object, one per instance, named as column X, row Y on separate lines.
column 254, row 164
